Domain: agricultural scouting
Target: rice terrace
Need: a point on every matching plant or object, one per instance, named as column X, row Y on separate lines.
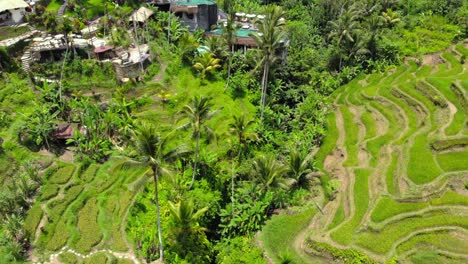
column 398, row 146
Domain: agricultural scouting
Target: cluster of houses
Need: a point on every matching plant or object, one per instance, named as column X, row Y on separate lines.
column 13, row 11
column 128, row 63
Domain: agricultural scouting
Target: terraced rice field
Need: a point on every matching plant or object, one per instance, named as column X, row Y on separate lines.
column 400, row 153
column 79, row 216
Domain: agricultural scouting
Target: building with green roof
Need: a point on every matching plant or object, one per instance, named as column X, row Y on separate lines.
column 196, row 13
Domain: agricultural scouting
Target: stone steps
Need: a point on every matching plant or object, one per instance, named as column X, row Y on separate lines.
column 26, row 60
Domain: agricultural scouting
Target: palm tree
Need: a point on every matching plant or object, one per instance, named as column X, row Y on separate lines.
column 299, row 169
column 270, row 35
column 268, row 172
column 391, row 17
column 66, row 27
column 187, row 45
column 13, row 227
column 197, row 113
column 185, row 217
column 217, row 47
column 206, row 63
column 154, row 151
column 374, row 27
column 358, row 48
column 189, row 237
column 229, row 35
column 343, row 29
column 239, row 128
column 50, row 21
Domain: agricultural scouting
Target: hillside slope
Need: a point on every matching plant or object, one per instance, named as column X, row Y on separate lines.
column 401, row 156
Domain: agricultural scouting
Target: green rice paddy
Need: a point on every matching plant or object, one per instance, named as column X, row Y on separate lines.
column 406, row 159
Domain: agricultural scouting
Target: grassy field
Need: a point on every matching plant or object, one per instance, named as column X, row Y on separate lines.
column 280, row 231
column 82, row 208
column 54, row 6
column 11, row 32
column 405, row 137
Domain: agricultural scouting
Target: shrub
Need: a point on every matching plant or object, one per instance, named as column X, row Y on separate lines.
column 89, row 173
column 124, row 261
column 239, row 250
column 57, row 207
column 59, row 237
column 50, row 171
column 62, row 175
column 48, row 191
column 286, row 257
column 280, row 231
column 69, row 258
column 32, row 221
column 90, row 233
column 96, row 258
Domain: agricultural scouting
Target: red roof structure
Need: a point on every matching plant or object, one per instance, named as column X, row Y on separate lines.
column 64, row 131
column 103, row 49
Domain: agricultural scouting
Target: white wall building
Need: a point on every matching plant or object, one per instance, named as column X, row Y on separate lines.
column 12, row 11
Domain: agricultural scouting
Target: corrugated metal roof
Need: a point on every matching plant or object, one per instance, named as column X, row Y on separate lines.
column 141, row 15
column 11, row 4
column 194, row 2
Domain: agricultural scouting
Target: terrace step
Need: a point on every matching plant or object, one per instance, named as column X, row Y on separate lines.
column 62, row 8
column 26, row 61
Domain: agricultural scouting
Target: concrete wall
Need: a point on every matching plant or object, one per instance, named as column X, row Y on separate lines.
column 131, row 70
column 17, row 14
column 207, row 16
column 3, row 16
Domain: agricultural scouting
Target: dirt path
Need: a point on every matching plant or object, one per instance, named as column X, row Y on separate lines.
column 334, row 164
column 123, row 224
column 301, row 249
column 162, row 71
column 320, row 221
column 259, row 243
column 67, row 156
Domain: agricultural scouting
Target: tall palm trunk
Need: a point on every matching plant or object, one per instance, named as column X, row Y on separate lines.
column 264, row 86
column 231, row 50
column 341, row 57
column 232, row 189
column 197, row 148
column 239, row 158
column 61, row 71
column 158, row 217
